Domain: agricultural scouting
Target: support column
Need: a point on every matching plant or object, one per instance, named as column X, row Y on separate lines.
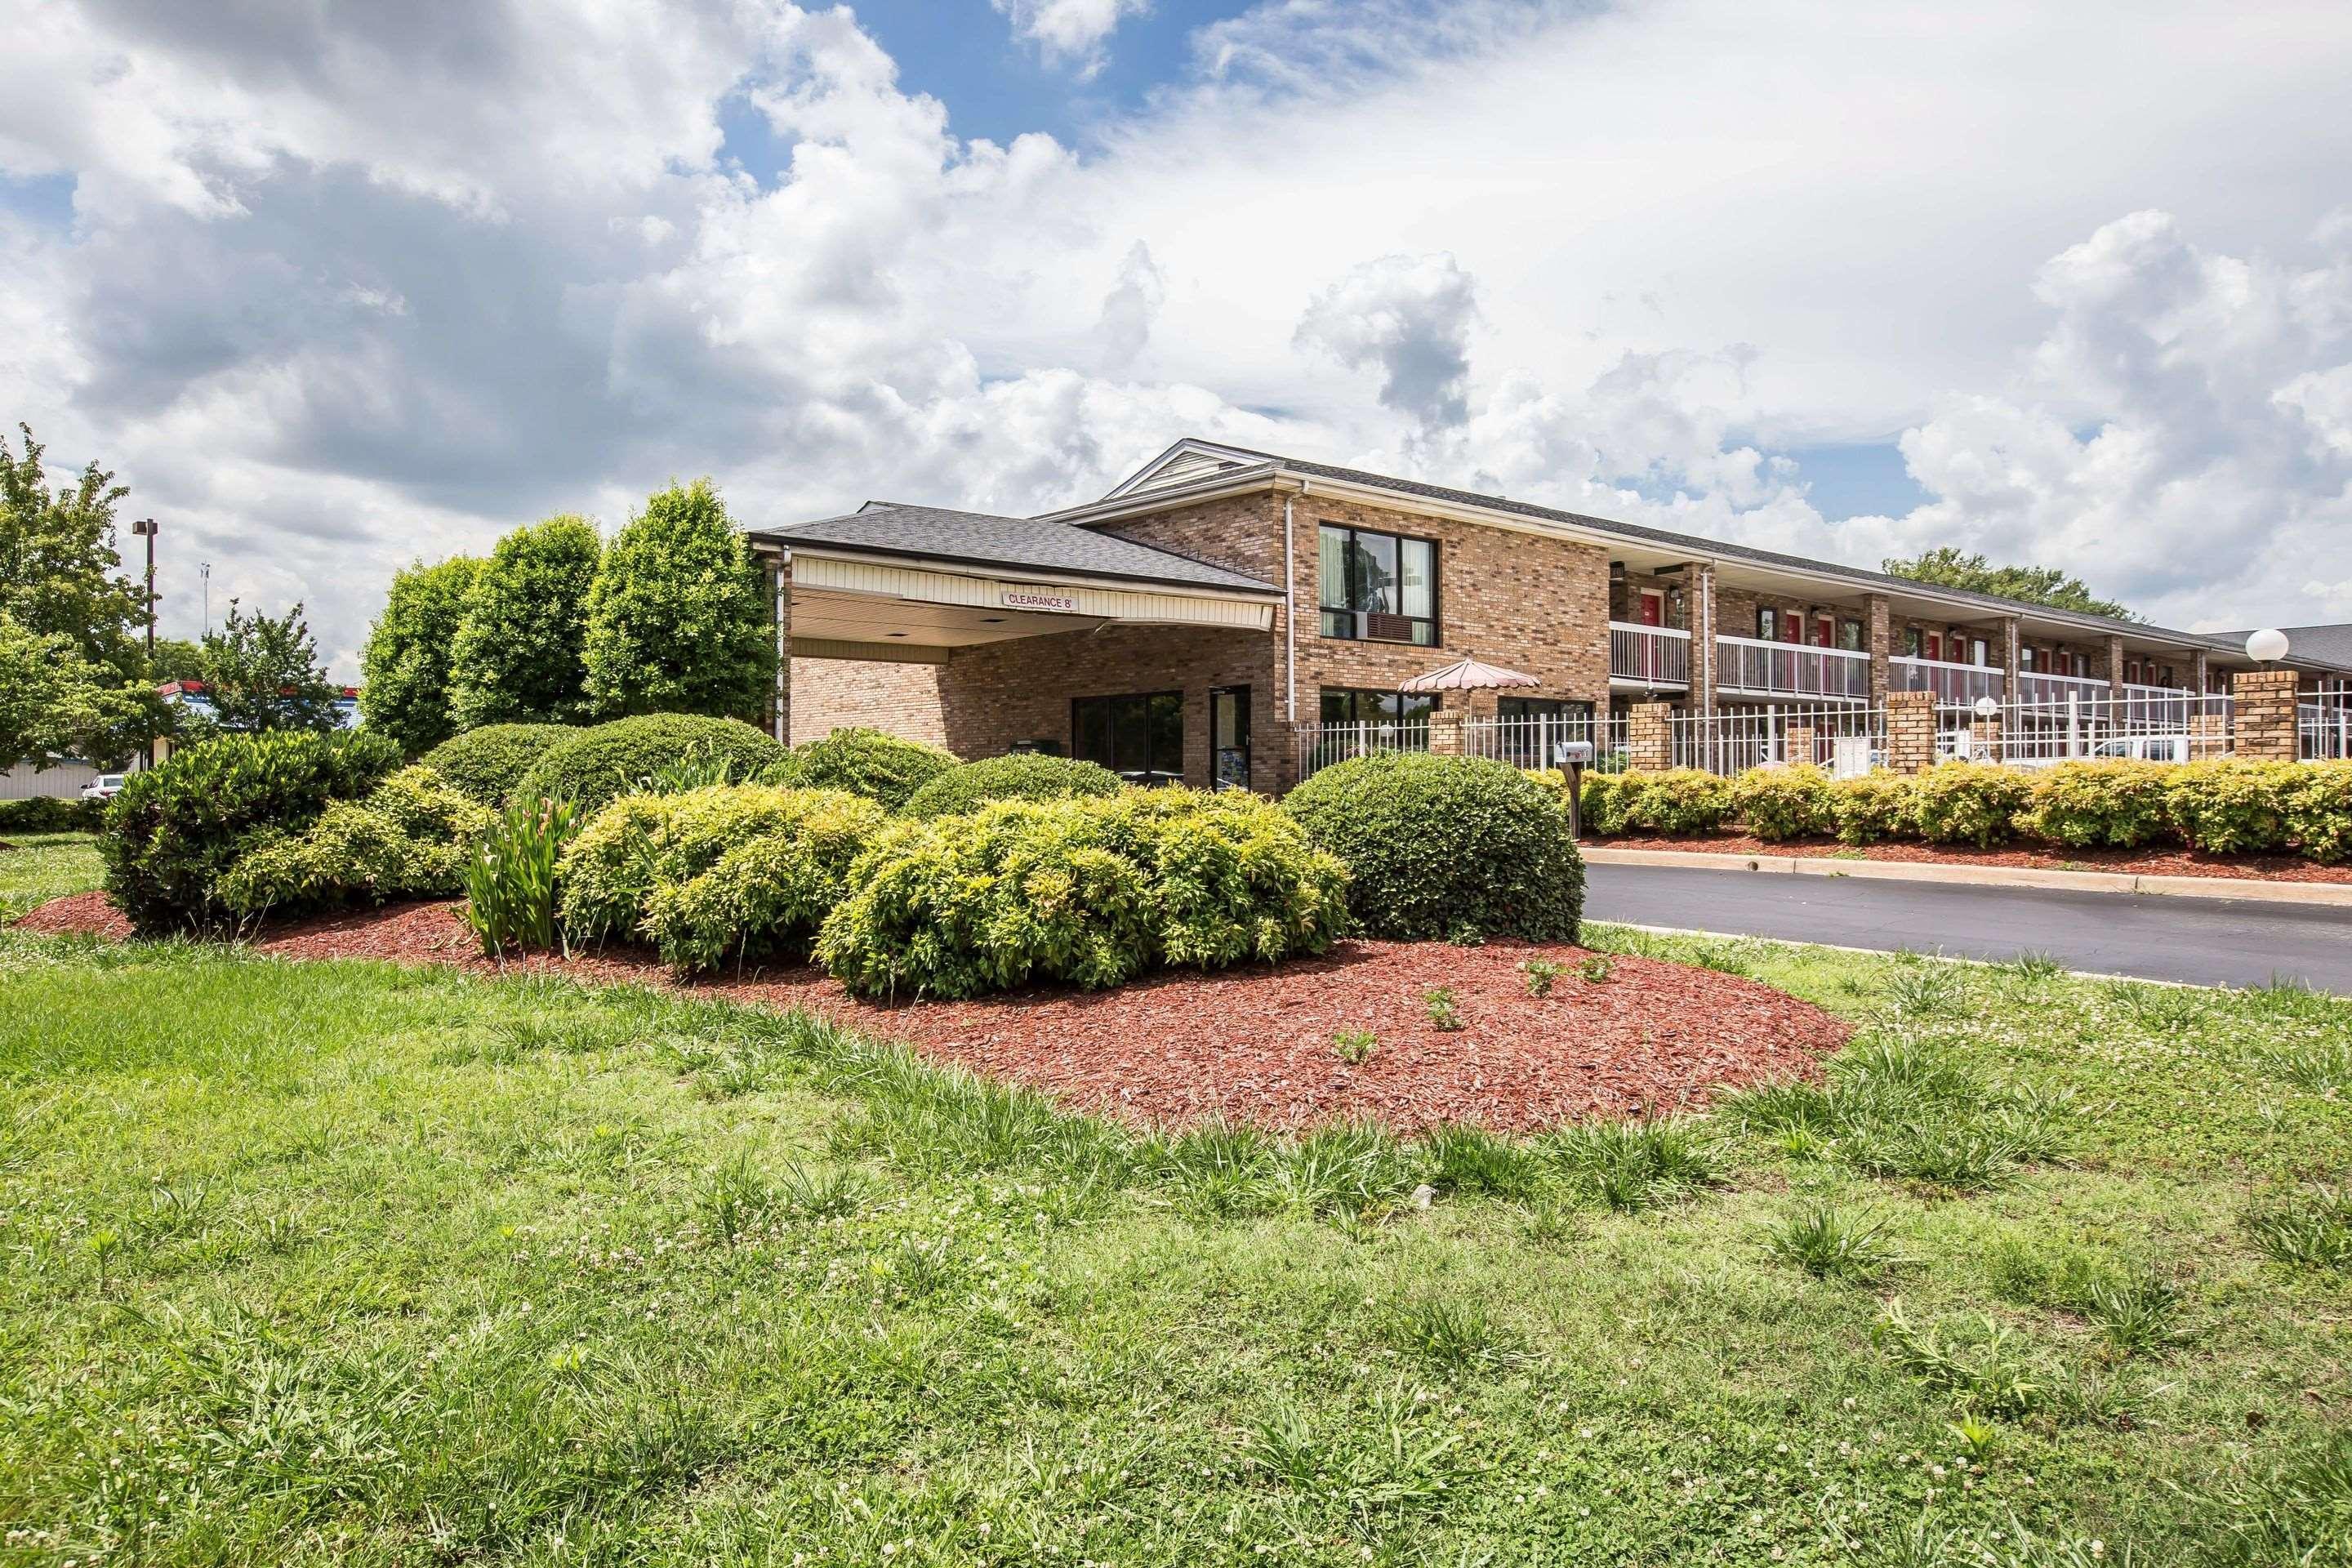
column 2264, row 717
column 1445, row 733
column 1698, row 619
column 1911, row 731
column 2116, row 670
column 780, row 598
column 1650, row 736
column 1879, row 616
column 2008, row 659
column 1984, row 739
column 2200, row 673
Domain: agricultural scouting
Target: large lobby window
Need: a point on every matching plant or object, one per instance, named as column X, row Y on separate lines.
column 1140, row 738
column 1376, row 586
column 1389, row 713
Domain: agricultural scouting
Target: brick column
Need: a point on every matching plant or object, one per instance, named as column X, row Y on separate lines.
column 2264, row 718
column 1880, row 624
column 780, row 598
column 2009, row 658
column 2208, row 736
column 1445, row 733
column 1984, row 739
column 1651, row 737
column 2200, row 673
column 1803, row 748
column 2115, row 667
column 1910, row 730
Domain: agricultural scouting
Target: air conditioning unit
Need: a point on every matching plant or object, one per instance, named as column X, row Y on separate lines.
column 1381, row 626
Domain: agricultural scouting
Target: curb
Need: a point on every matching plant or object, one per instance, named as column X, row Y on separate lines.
column 2322, row 895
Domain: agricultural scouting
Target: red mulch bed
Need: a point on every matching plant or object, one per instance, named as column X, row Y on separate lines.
column 1252, row 1044
column 2134, row 862
column 76, row 914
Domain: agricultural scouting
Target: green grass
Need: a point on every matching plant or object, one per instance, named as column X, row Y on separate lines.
column 312, row 1262
column 39, row 866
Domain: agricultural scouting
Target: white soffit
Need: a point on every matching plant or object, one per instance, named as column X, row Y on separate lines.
column 859, row 600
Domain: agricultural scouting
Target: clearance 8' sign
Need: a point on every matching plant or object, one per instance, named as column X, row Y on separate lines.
column 1023, row 599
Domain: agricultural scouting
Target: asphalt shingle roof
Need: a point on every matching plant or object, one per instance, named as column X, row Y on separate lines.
column 978, row 539
column 2323, row 645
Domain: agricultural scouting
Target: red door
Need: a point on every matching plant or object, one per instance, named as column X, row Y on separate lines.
column 1825, row 632
column 1651, row 615
column 1793, row 629
column 1933, row 646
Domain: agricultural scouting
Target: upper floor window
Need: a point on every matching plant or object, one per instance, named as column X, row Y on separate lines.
column 1381, row 586
column 1850, row 635
column 1768, row 624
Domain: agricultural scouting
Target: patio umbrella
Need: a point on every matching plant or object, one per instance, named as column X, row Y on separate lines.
column 1467, row 675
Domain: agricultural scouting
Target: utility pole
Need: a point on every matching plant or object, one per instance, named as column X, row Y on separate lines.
column 204, row 570
column 145, row 528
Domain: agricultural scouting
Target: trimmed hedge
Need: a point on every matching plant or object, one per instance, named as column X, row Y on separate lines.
column 1786, row 803
column 865, row 762
column 408, row 839
column 1872, row 807
column 1967, row 803
column 47, row 814
column 2116, row 805
column 604, row 762
column 1088, row 892
column 486, row 764
column 1440, row 847
column 727, row 870
column 968, row 787
column 175, row 830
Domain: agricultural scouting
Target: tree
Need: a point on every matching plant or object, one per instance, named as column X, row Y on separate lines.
column 405, row 669
column 55, row 702
column 679, row 619
column 58, row 569
column 1947, row 568
column 517, row 656
column 175, row 659
column 263, row 673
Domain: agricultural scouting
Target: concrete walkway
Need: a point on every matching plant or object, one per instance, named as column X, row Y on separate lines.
column 2204, row 941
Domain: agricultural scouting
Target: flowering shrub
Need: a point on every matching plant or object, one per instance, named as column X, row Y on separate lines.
column 1786, row 803
column 1967, row 803
column 1087, row 891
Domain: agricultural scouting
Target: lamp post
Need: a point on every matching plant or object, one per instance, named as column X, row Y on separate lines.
column 205, row 570
column 1988, row 708
column 2266, row 647
column 145, row 528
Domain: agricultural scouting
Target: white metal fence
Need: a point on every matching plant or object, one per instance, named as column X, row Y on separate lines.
column 1525, row 743
column 1843, row 738
column 2323, row 727
column 2143, row 724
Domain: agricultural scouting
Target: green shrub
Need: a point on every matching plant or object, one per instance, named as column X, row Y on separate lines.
column 175, row 830
column 511, row 876
column 730, row 871
column 1601, row 804
column 2319, row 811
column 1967, row 803
column 605, row 760
column 486, row 764
column 1087, row 891
column 1678, row 802
column 1786, row 803
column 2121, row 805
column 865, row 762
column 2230, row 807
column 1437, row 847
column 969, row 785
column 1872, row 807
column 407, row 839
column 47, row 814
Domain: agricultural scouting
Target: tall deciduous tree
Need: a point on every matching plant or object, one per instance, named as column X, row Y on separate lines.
column 53, row 701
column 405, row 669
column 1947, row 568
column 263, row 673
column 678, row 620
column 517, row 659
column 60, row 573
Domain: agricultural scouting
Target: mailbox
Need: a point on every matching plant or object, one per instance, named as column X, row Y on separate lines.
column 1574, row 753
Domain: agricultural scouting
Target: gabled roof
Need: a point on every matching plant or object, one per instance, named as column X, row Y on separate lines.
column 2321, row 645
column 1192, row 461
column 1026, row 544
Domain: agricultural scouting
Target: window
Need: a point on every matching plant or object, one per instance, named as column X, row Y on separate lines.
column 1850, row 635
column 1913, row 645
column 1979, row 652
column 1140, row 738
column 2027, row 658
column 1386, row 710
column 1379, row 586
column 1768, row 624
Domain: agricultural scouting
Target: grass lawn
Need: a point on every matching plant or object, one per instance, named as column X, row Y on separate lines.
column 43, row 866
column 341, row 1261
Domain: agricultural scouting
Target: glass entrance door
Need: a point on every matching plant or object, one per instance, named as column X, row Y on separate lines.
column 1229, row 736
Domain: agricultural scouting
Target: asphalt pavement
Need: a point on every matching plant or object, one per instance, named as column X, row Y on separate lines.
column 2204, row 941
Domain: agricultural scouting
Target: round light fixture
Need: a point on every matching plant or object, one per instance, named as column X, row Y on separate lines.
column 2267, row 646
column 1987, row 708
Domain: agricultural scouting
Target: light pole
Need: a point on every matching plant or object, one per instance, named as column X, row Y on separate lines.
column 205, row 570
column 145, row 528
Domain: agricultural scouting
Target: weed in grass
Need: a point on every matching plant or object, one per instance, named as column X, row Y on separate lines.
column 1456, row 1335
column 2033, row 968
column 1472, row 1160
column 1344, row 1168
column 1364, row 1466
column 1990, row 1374
column 1831, row 1243
column 1724, row 959
column 2054, row 1275
column 1596, row 970
column 2156, row 1009
column 808, row 1195
column 1355, row 1047
column 1538, row 973
column 1552, row 1226
column 2297, row 1511
column 2321, row 1067
column 2139, row 1315
column 1960, row 1158
column 1630, row 1166
column 734, row 1200
column 2312, row 1229
column 1928, row 991
column 1445, row 1014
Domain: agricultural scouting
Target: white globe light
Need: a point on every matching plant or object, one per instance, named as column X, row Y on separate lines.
column 1987, row 707
column 2267, row 646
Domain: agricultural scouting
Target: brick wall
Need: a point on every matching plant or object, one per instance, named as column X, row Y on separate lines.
column 2264, row 714
column 831, row 694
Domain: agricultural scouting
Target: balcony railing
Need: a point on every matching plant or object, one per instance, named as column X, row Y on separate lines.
column 1753, row 668
column 2039, row 688
column 1655, row 656
column 1955, row 685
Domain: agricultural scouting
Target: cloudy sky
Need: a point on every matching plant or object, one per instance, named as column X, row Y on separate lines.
column 335, row 285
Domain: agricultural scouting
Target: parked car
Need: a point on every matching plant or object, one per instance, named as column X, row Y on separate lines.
column 105, row 786
column 2132, row 748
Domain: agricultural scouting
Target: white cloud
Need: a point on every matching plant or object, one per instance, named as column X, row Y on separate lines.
column 1411, row 317
column 1070, row 32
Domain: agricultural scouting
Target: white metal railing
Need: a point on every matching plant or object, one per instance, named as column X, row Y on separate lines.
column 1955, row 685
column 2040, row 686
column 1753, row 666
column 2322, row 730
column 2092, row 726
column 1320, row 745
column 1845, row 737
column 1655, row 656
column 1535, row 741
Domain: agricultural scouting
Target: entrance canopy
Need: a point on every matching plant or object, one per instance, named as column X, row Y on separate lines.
column 910, row 583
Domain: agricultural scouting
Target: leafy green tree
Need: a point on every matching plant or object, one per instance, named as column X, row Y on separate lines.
column 405, row 669
column 175, row 659
column 517, row 657
column 678, row 620
column 59, row 574
column 1947, row 568
column 263, row 673
column 53, row 701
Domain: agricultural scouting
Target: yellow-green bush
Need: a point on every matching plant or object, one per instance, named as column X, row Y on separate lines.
column 1967, row 803
column 1872, row 807
column 1089, row 891
column 2319, row 811
column 724, row 872
column 1785, row 802
column 407, row 839
column 1680, row 801
column 2119, row 805
column 2230, row 808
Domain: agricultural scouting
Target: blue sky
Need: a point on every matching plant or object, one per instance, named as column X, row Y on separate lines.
column 334, row 286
